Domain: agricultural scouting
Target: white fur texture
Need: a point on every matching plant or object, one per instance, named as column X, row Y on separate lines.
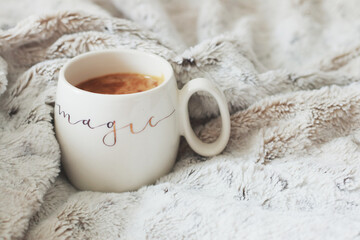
column 290, row 70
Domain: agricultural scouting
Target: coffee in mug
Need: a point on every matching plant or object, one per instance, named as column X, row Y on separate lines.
column 121, row 83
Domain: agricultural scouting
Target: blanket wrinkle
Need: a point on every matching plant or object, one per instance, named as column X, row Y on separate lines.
column 289, row 71
column 153, row 17
column 3, row 73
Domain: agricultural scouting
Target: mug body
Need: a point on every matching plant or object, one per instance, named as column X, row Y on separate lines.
column 116, row 143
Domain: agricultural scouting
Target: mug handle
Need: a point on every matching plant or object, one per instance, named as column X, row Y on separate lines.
column 204, row 149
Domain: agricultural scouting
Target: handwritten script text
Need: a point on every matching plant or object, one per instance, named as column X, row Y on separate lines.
column 109, row 138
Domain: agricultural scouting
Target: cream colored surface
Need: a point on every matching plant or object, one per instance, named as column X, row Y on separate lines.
column 290, row 70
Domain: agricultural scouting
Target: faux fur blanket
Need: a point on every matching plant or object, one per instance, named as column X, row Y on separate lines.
column 290, row 70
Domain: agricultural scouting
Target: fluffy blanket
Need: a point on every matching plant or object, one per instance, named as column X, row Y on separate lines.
column 290, row 71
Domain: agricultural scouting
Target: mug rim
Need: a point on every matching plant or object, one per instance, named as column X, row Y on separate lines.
column 119, row 51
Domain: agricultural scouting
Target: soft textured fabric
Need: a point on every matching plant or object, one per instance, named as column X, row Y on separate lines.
column 290, row 71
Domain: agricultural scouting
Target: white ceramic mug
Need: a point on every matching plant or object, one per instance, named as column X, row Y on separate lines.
column 115, row 143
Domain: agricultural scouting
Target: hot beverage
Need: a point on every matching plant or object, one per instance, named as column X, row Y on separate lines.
column 121, row 83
